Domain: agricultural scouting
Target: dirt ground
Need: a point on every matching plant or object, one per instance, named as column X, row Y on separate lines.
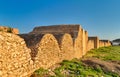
column 107, row 66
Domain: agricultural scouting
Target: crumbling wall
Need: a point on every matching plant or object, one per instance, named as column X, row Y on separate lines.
column 66, row 46
column 45, row 50
column 15, row 31
column 9, row 30
column 15, row 59
column 73, row 30
column 45, row 46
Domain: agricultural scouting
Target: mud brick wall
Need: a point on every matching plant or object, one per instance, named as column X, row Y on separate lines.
column 15, row 59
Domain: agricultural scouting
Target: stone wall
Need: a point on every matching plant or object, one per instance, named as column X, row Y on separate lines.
column 85, row 42
column 9, row 30
column 96, row 41
column 78, row 41
column 105, row 42
column 22, row 54
column 57, row 29
column 90, row 45
column 45, row 50
column 101, row 43
column 15, row 59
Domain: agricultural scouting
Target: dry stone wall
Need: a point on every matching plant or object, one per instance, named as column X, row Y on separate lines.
column 9, row 30
column 45, row 46
column 65, row 42
column 15, row 59
column 44, row 49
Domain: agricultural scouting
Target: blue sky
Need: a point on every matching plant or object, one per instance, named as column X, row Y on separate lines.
column 99, row 17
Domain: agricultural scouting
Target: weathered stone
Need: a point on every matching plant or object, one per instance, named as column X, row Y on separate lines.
column 11, row 58
column 9, row 30
column 45, row 46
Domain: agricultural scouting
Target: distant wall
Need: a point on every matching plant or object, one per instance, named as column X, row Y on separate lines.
column 101, row 43
column 90, row 45
column 43, row 47
column 105, row 43
column 96, row 41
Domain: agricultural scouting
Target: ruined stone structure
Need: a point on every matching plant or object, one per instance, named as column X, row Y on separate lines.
column 15, row 59
column 94, row 42
column 105, row 43
column 22, row 54
column 8, row 29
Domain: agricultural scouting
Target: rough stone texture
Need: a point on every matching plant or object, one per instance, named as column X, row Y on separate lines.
column 45, row 46
column 78, row 44
column 73, row 30
column 9, row 30
column 66, row 46
column 15, row 59
column 15, row 31
column 45, row 49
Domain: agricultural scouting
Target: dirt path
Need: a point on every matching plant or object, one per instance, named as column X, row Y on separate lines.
column 107, row 66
